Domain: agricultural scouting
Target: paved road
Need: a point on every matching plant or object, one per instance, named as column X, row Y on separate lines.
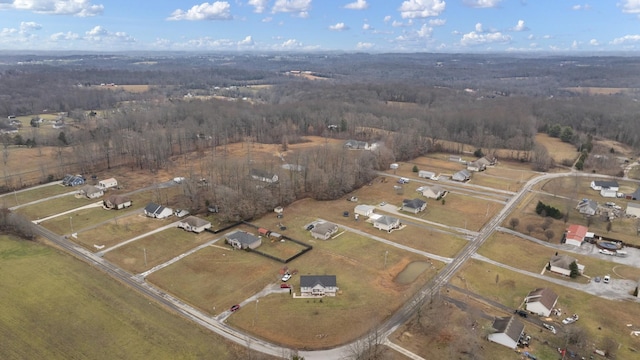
column 387, row 328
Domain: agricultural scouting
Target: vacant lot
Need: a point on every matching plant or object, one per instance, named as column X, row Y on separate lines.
column 600, row 319
column 117, row 229
column 218, row 277
column 155, row 249
column 55, row 307
column 557, row 149
column 54, row 206
column 23, row 197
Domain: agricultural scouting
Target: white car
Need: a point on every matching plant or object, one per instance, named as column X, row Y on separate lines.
column 286, row 277
column 178, row 179
column 549, row 327
column 606, row 279
column 570, row 320
column 606, row 252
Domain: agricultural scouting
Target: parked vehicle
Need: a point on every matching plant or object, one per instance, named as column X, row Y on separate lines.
column 310, row 227
column 285, row 286
column 235, row 308
column 606, row 279
column 521, row 313
column 549, row 327
column 571, row 319
column 286, row 277
column 606, row 252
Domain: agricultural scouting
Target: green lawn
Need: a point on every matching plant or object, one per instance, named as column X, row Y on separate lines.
column 55, row 307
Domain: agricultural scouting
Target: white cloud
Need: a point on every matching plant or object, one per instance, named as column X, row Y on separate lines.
column 247, row 41
column 475, row 38
column 338, row 27
column 425, row 31
column 7, row 32
column 479, row 28
column 594, row 42
column 357, row 5
column 520, row 26
column 267, row 19
column 366, row 27
column 298, row 8
column 80, row 8
column 259, row 5
column 626, row 39
column 291, row 44
column 574, row 44
column 60, row 36
column 630, row 6
column 387, row 18
column 25, row 27
column 420, row 9
column 219, row 10
column 396, row 23
column 581, row 7
column 437, row 22
column 100, row 34
column 482, row 3
column 364, row 45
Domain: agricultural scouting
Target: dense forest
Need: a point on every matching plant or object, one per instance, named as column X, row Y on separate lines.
column 409, row 103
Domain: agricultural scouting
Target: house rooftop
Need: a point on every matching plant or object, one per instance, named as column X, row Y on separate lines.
column 413, row 203
column 195, row 221
column 243, row 237
column 606, row 184
column 576, row 232
column 510, row 326
column 545, row 296
column 313, row 280
column 323, row 228
column 562, row 261
column 386, row 220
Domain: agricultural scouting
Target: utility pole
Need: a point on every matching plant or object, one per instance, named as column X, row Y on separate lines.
column 145, row 256
column 71, row 224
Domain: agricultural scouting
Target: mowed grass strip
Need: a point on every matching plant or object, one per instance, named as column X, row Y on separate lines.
column 54, row 206
column 156, row 248
column 117, row 230
column 600, row 318
column 23, row 197
column 55, row 307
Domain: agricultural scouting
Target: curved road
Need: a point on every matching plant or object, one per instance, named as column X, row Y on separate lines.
column 341, row 352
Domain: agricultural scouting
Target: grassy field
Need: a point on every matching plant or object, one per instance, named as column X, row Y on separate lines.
column 557, row 149
column 54, row 206
column 55, row 307
column 600, row 318
column 218, row 277
column 117, row 230
column 23, row 197
column 158, row 248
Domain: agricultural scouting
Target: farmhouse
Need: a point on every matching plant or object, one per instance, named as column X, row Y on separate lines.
column 427, row 175
column 91, row 192
column 561, row 264
column 508, row 332
column 264, row 176
column 194, row 224
column 154, row 210
column 386, row 223
column 364, row 210
column 108, row 183
column 462, row 175
column 633, row 209
column 72, row 180
column 587, row 207
column 599, row 185
column 243, row 240
column 117, row 202
column 324, row 230
column 318, row 285
column 414, row 206
column 475, row 166
column 433, row 192
column 574, row 235
column 541, row 301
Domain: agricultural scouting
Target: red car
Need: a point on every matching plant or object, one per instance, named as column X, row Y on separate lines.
column 285, row 286
column 235, row 308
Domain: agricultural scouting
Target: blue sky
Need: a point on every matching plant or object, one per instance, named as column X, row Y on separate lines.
column 322, row 25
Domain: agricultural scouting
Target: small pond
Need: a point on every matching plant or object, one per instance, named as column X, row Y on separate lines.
column 411, row 272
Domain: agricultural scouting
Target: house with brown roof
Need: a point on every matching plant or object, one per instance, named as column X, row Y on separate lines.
column 561, row 264
column 91, row 192
column 433, row 192
column 508, row 332
column 194, row 224
column 117, row 202
column 541, row 301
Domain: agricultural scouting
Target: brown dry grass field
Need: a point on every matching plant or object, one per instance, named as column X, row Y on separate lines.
column 557, row 149
column 159, row 248
column 55, row 307
column 591, row 90
column 23, row 197
column 127, row 88
column 116, row 230
column 217, row 277
column 600, row 318
column 526, row 255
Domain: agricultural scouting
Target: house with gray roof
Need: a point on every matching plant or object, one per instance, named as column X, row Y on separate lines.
column 324, row 230
column 243, row 240
column 91, row 192
column 462, row 175
column 561, row 264
column 508, row 332
column 599, row 185
column 154, row 210
column 318, row 285
column 587, row 207
column 433, row 192
column 117, row 202
column 414, row 205
column 386, row 223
